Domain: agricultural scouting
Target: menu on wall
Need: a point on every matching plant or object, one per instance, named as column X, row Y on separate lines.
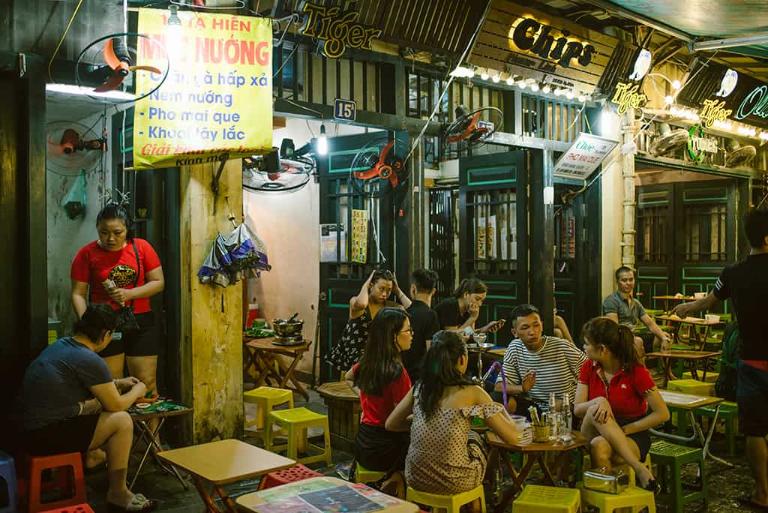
column 359, row 236
column 216, row 101
column 584, row 156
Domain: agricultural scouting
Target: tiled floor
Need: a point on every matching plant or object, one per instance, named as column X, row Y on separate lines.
column 725, row 484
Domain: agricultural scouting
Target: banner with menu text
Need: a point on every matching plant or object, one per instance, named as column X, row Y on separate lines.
column 216, row 101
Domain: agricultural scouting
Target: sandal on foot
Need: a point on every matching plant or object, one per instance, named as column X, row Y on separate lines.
column 138, row 503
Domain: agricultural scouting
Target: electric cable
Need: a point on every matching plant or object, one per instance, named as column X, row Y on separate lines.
column 63, row 36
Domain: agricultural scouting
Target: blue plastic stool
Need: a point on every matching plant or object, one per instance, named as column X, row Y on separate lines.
column 8, row 478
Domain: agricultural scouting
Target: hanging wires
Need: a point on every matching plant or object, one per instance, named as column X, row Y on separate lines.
column 63, row 36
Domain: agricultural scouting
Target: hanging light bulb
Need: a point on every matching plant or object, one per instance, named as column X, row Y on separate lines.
column 558, row 92
column 582, row 98
column 484, row 75
column 522, row 84
column 496, row 78
column 569, row 95
column 669, row 100
column 510, row 81
column 546, row 89
column 173, row 42
column 322, row 142
column 535, row 87
column 676, row 85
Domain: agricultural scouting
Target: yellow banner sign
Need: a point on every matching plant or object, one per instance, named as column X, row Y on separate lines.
column 217, row 99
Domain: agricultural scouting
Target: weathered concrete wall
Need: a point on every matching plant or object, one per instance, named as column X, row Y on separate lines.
column 211, row 341
column 66, row 236
column 612, row 198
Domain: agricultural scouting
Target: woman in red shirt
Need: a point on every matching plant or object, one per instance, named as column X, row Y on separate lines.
column 383, row 381
column 613, row 396
column 119, row 269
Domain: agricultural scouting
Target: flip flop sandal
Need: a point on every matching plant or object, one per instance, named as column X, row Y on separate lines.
column 138, row 503
column 747, row 501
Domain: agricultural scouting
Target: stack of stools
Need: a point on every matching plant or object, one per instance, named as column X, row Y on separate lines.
column 266, row 398
column 450, row 503
column 296, row 421
column 292, row 474
column 8, row 478
column 670, row 459
column 58, row 462
column 547, row 499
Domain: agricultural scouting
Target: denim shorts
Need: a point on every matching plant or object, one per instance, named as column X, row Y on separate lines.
column 752, row 396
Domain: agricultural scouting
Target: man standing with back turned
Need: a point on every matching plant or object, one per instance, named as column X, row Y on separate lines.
column 746, row 284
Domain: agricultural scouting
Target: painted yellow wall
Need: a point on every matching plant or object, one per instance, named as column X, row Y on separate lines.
column 612, row 197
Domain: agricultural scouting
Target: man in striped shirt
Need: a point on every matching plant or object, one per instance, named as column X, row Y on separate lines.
column 535, row 365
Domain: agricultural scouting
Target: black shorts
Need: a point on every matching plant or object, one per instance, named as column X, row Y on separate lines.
column 143, row 342
column 751, row 392
column 381, row 450
column 64, row 436
column 642, row 438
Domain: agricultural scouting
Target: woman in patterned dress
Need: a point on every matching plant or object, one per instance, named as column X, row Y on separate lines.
column 445, row 456
column 373, row 296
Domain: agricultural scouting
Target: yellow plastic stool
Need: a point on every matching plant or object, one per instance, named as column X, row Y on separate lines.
column 691, row 386
column 296, row 421
column 363, row 475
column 266, row 398
column 632, row 497
column 450, row 503
column 711, row 376
column 547, row 499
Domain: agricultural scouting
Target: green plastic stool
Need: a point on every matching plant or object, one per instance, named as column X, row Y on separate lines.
column 691, row 386
column 635, row 498
column 450, row 503
column 547, row 499
column 669, row 459
column 729, row 412
column 711, row 376
column 363, row 475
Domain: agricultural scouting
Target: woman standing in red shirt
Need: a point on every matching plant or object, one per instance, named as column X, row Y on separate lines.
column 613, row 396
column 383, row 381
column 121, row 270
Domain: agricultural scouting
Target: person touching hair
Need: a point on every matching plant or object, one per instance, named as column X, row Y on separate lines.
column 445, row 456
column 614, row 394
column 462, row 310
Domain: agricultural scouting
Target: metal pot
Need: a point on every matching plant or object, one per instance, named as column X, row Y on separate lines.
column 287, row 328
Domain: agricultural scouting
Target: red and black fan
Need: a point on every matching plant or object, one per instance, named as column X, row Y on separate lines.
column 473, row 127
column 73, row 147
column 378, row 164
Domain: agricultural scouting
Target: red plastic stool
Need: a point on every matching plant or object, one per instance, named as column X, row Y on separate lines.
column 290, row 475
column 37, row 464
column 78, row 508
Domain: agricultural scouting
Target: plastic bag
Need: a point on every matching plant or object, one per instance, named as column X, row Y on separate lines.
column 76, row 198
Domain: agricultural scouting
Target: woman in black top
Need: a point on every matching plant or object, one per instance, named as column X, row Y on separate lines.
column 462, row 310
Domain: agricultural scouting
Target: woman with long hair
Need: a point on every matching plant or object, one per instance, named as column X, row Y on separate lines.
column 613, row 396
column 382, row 382
column 445, row 456
column 363, row 308
column 462, row 309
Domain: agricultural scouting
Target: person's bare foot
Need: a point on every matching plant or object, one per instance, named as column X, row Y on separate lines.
column 95, row 458
column 394, row 485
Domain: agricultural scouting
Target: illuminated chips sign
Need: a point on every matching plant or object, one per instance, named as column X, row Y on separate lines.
column 549, row 43
column 217, row 100
column 338, row 29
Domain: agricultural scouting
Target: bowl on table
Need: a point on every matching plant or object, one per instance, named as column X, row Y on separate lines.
column 287, row 328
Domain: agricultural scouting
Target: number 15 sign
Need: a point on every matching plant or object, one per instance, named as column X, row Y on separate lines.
column 344, row 109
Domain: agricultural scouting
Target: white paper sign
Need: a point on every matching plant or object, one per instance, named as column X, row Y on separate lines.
column 584, row 156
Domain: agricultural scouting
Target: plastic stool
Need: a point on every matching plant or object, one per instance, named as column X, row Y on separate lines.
column 78, row 508
column 296, row 421
column 8, row 477
column 295, row 473
column 711, row 376
column 37, row 464
column 691, row 386
column 363, row 475
column 632, row 497
column 547, row 499
column 729, row 412
column 266, row 398
column 450, row 503
column 670, row 459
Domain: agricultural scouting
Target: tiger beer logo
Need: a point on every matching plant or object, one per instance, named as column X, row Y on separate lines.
column 337, row 28
column 123, row 275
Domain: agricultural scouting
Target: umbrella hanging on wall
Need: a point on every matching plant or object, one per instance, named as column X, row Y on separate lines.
column 235, row 256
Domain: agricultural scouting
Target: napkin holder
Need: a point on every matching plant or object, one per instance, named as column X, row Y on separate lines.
column 614, row 482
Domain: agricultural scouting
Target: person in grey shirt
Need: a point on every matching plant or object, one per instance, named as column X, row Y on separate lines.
column 623, row 308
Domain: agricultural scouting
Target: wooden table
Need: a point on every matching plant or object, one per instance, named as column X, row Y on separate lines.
column 534, row 453
column 668, row 298
column 264, row 356
column 696, row 338
column 141, row 418
column 689, row 403
column 218, row 463
column 333, row 494
column 689, row 356
column 343, row 413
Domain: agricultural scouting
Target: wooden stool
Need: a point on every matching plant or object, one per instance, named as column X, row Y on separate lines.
column 77, row 508
column 37, row 464
column 547, row 499
column 296, row 421
column 363, row 475
column 670, row 459
column 691, row 386
column 295, row 473
column 450, row 503
column 8, row 477
column 632, row 497
column 266, row 398
column 343, row 413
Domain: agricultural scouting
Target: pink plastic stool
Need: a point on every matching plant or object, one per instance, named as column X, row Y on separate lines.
column 290, row 475
column 37, row 464
column 78, row 508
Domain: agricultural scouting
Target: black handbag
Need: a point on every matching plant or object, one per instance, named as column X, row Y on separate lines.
column 126, row 322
